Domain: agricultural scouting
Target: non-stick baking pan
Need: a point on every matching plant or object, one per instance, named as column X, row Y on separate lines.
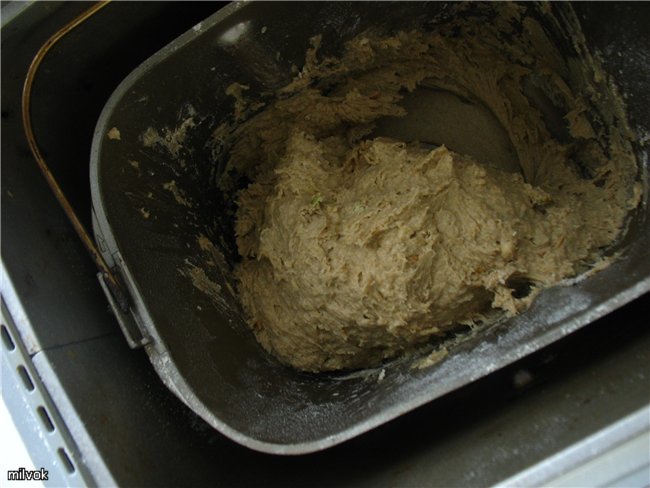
column 150, row 204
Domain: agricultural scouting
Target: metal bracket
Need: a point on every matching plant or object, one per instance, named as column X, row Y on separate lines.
column 127, row 320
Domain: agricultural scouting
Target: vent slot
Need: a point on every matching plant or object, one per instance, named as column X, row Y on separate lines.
column 45, row 419
column 25, row 377
column 65, row 460
column 6, row 338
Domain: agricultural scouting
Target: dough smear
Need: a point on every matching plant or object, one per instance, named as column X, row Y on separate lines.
column 357, row 248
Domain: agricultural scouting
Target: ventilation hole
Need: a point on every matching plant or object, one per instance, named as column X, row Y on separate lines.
column 65, row 460
column 6, row 339
column 24, row 375
column 45, row 418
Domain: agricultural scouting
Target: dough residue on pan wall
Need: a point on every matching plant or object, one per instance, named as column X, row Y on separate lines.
column 357, row 248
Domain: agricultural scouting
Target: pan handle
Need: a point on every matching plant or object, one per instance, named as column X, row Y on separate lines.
column 109, row 278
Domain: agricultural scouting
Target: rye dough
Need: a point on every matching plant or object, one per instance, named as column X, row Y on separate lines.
column 358, row 248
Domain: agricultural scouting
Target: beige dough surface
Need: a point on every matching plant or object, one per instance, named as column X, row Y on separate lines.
column 358, row 248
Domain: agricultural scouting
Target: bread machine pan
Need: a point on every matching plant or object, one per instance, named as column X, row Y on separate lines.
column 151, row 202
